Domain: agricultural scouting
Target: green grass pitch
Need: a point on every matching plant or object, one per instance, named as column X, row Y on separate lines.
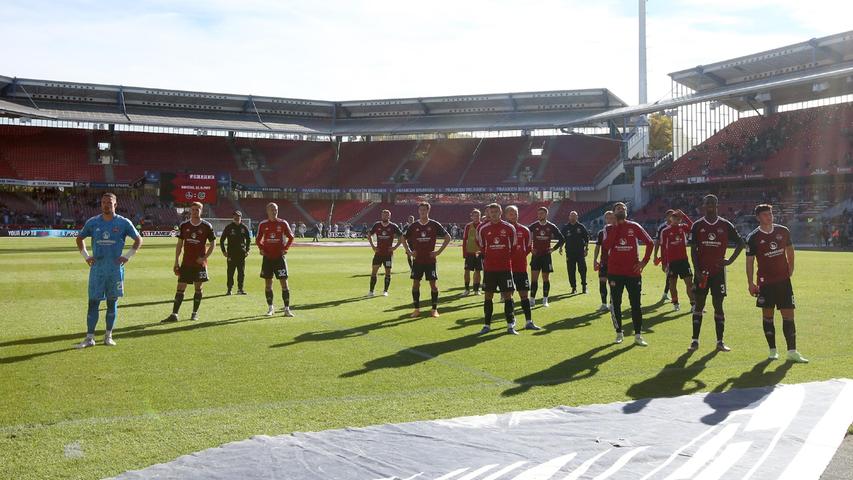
column 344, row 360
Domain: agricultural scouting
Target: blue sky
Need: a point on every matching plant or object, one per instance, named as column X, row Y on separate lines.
column 344, row 50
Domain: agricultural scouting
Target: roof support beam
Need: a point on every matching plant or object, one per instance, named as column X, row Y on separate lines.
column 512, row 103
column 837, row 57
column 711, row 76
column 121, row 103
column 424, row 106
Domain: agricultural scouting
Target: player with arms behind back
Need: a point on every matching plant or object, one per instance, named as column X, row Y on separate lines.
column 770, row 244
column 193, row 235
column 497, row 241
column 106, row 264
column 543, row 232
column 522, row 249
column 271, row 242
column 471, row 253
column 383, row 250
column 420, row 238
column 673, row 241
column 600, row 264
column 625, row 270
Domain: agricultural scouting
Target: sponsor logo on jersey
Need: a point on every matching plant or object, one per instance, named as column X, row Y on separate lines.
column 774, row 245
column 712, row 237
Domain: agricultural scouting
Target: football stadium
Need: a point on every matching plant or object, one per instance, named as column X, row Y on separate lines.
column 552, row 284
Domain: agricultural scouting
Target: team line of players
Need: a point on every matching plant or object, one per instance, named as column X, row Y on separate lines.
column 500, row 249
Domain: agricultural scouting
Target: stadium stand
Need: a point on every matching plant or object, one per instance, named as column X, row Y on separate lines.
column 578, row 159
column 788, row 144
column 41, row 153
column 383, row 158
column 446, row 161
column 171, row 153
column 494, row 161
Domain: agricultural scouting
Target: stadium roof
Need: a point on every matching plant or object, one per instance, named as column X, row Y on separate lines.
column 84, row 102
column 811, row 70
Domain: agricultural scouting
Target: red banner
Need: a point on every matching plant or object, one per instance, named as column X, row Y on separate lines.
column 190, row 187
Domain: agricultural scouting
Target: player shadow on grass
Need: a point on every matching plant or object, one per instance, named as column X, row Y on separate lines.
column 357, row 331
column 674, row 379
column 442, row 307
column 758, row 376
column 159, row 302
column 411, row 356
column 579, row 367
column 133, row 331
column 331, row 303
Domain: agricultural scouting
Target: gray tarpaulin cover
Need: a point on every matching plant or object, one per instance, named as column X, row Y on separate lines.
column 782, row 432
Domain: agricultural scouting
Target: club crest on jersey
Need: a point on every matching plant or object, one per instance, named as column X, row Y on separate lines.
column 193, row 235
column 115, row 229
column 630, row 231
column 778, row 237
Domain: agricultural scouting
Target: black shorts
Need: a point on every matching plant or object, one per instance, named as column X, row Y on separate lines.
column 192, row 274
column 384, row 260
column 274, row 267
column 521, row 281
column 679, row 268
column 474, row 262
column 425, row 271
column 498, row 281
column 716, row 284
column 542, row 263
column 777, row 295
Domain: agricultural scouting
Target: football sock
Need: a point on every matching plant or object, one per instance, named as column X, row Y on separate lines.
column 769, row 331
column 372, row 282
column 179, row 299
column 285, row 296
column 416, row 298
column 112, row 310
column 269, row 295
column 434, row 299
column 509, row 306
column 525, row 306
column 196, row 301
column 387, row 281
column 789, row 329
column 488, row 308
column 92, row 316
column 546, row 288
column 534, row 287
column 720, row 323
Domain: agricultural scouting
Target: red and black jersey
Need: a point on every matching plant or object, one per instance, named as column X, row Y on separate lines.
column 195, row 239
column 522, row 248
column 497, row 241
column 711, row 240
column 422, row 238
column 621, row 244
column 385, row 236
column 769, row 250
column 673, row 241
column 271, row 238
column 542, row 235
